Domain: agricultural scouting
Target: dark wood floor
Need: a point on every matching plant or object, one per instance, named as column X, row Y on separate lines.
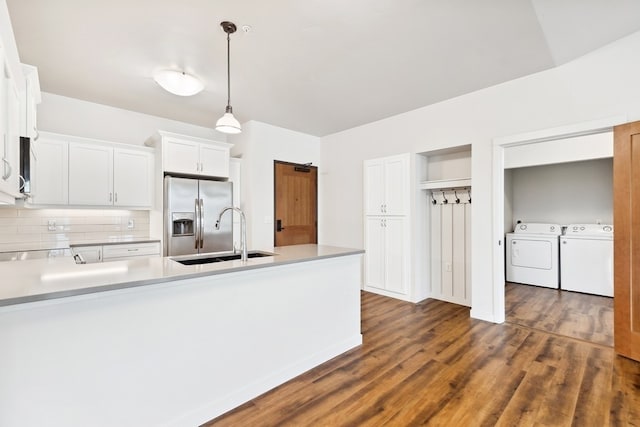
column 431, row 364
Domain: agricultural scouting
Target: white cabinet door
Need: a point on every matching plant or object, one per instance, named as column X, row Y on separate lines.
column 132, row 174
column 90, row 174
column 90, row 254
column 396, row 182
column 374, row 186
column 395, row 254
column 214, row 160
column 386, row 185
column 50, row 172
column 130, row 251
column 181, row 156
column 9, row 129
column 375, row 252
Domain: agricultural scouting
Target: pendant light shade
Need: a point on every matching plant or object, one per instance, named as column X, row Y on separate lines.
column 178, row 82
column 227, row 123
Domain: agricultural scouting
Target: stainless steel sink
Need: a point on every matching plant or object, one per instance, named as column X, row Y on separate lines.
column 217, row 257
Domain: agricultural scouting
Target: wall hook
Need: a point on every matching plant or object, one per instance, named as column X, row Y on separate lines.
column 469, row 194
column 433, row 199
column 455, row 193
column 444, row 198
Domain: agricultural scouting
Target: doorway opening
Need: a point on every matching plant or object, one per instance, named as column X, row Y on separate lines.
column 295, row 203
column 546, row 154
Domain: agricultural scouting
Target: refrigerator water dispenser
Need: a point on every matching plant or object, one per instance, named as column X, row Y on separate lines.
column 182, row 223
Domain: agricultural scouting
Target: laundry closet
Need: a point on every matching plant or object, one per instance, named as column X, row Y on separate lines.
column 558, row 211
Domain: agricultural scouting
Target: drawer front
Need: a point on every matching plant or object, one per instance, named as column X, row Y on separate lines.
column 130, row 250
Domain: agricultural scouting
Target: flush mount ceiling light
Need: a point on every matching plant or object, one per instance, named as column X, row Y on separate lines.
column 178, row 82
column 228, row 123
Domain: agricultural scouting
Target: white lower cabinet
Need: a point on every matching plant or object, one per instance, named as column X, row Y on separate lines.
column 130, row 250
column 116, row 252
column 89, row 254
column 386, row 258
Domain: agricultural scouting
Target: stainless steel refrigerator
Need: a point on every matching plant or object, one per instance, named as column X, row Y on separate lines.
column 191, row 208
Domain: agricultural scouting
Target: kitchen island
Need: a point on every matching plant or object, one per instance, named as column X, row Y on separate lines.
column 151, row 342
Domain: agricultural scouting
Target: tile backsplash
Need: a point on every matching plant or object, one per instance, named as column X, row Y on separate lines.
column 23, row 229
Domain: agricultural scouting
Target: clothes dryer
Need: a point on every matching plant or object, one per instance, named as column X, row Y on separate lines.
column 532, row 254
column 586, row 259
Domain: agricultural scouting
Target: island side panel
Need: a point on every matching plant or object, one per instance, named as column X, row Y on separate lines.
column 177, row 353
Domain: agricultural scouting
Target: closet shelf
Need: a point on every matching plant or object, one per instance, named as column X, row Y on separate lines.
column 445, row 183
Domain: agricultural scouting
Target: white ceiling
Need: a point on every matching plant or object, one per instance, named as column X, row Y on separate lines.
column 315, row 66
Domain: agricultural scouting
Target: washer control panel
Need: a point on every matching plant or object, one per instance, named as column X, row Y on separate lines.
column 589, row 229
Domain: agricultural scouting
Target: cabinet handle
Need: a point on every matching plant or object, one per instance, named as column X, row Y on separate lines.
column 111, row 197
column 6, row 165
column 116, row 198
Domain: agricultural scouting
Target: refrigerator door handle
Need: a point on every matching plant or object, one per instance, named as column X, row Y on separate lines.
column 201, row 223
column 197, row 221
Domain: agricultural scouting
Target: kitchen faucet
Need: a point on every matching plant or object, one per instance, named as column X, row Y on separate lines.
column 243, row 229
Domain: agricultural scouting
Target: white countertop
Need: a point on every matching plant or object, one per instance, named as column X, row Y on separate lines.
column 43, row 279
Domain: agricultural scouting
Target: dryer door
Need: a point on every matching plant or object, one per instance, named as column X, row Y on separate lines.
column 531, row 253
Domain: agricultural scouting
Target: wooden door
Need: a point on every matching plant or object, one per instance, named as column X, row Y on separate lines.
column 626, row 228
column 296, row 201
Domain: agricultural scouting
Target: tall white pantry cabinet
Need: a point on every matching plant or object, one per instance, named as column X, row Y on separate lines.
column 387, row 226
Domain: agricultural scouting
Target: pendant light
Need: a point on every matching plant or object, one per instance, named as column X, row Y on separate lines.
column 228, row 123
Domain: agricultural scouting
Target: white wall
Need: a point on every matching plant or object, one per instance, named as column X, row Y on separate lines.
column 72, row 116
column 259, row 145
column 578, row 192
column 599, row 85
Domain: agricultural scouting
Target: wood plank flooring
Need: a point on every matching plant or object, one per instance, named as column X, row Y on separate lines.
column 431, row 364
column 571, row 314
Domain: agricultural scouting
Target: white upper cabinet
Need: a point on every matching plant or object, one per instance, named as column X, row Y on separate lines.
column 90, row 174
column 83, row 172
column 50, row 172
column 132, row 177
column 30, row 97
column 214, row 160
column 9, row 133
column 386, row 185
column 187, row 155
column 181, row 156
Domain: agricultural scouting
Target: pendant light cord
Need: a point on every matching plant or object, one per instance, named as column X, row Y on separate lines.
column 228, row 71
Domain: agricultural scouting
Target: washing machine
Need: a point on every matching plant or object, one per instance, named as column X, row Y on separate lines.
column 586, row 259
column 532, row 254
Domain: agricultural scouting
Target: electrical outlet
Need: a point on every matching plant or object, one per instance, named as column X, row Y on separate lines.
column 51, row 225
column 131, row 224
